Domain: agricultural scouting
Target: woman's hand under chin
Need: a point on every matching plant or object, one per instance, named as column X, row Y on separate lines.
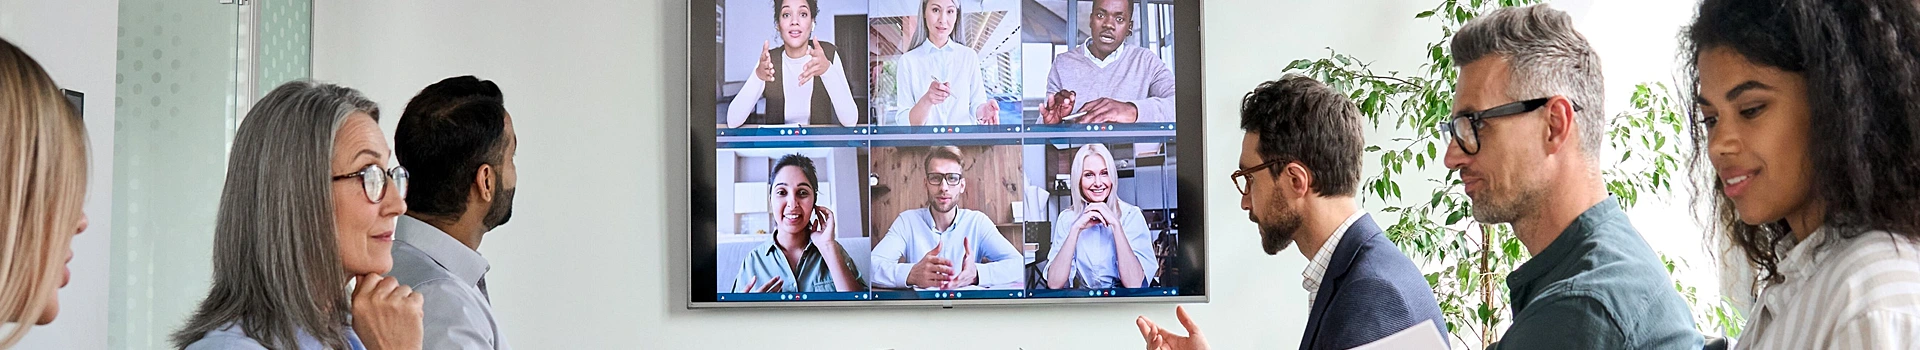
column 386, row 314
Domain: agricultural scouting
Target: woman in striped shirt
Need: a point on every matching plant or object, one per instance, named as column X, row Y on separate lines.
column 1809, row 113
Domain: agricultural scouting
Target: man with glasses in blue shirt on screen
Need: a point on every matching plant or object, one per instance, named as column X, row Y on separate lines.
column 1527, row 133
column 1299, row 172
column 944, row 246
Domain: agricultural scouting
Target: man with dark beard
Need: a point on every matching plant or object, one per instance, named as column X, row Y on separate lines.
column 1299, row 168
column 457, row 140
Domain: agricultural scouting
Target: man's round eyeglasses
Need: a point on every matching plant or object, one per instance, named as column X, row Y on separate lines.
column 1242, row 182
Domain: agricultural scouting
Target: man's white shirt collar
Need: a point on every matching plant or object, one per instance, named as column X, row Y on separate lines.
column 1102, row 63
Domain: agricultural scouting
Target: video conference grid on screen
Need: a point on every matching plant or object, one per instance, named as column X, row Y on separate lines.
column 974, row 150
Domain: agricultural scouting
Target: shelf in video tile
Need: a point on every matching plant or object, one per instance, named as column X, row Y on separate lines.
column 819, row 296
column 1104, row 293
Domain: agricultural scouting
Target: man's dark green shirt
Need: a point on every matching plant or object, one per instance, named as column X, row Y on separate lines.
column 1598, row 286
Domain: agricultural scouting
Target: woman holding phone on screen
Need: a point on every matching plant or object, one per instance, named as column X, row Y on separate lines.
column 937, row 82
column 803, row 255
column 802, row 80
column 1102, row 242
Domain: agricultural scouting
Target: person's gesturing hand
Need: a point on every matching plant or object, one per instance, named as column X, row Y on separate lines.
column 816, row 66
column 988, row 113
column 931, row 271
column 969, row 274
column 1093, row 214
column 1164, row 339
column 937, row 93
column 386, row 314
column 765, row 71
column 773, row 285
column 1057, row 107
column 1106, row 110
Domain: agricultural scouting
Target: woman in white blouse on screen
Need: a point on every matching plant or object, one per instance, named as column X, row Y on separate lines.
column 1102, row 242
column 806, row 86
column 1812, row 143
column 937, row 82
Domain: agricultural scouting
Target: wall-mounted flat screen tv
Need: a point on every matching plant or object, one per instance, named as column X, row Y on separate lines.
column 945, row 152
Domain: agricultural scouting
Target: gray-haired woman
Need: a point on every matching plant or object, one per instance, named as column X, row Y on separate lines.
column 308, row 204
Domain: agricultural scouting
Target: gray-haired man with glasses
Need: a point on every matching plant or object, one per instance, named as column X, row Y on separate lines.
column 1527, row 132
column 943, row 246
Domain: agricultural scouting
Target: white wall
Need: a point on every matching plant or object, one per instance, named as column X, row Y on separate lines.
column 74, row 41
column 595, row 255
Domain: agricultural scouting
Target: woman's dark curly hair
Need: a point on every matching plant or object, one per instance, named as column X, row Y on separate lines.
column 1861, row 61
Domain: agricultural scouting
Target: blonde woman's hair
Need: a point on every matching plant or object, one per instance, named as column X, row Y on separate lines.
column 43, row 179
column 1079, row 164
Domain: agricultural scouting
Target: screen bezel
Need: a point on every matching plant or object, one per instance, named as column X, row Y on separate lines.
column 1189, row 179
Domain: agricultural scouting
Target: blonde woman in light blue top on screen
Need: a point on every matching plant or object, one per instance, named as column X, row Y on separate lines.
column 1102, row 242
column 937, row 82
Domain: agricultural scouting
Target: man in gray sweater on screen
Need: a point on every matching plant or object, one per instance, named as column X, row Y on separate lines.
column 1105, row 80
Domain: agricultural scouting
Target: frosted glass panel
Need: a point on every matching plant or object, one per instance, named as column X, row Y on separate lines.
column 179, row 83
column 286, row 42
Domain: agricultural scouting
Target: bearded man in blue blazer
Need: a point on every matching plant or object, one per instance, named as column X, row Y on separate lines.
column 1299, row 172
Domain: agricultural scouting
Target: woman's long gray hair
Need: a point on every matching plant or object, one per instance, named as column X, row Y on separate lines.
column 276, row 270
column 920, row 19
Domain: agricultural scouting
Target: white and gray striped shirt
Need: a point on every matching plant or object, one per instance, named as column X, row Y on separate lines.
column 1859, row 293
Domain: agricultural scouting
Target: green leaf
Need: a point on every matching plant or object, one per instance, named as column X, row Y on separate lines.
column 1425, row 14
column 1299, row 64
column 1454, row 217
